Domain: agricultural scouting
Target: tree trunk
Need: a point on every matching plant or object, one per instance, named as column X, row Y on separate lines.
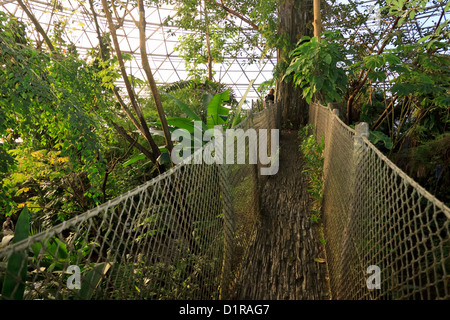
column 151, row 80
column 295, row 21
column 208, row 43
column 142, row 125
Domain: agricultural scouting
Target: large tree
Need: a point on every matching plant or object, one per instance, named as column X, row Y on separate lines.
column 295, row 21
column 273, row 24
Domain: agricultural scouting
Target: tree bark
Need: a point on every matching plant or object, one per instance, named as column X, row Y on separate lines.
column 279, row 262
column 317, row 20
column 295, row 21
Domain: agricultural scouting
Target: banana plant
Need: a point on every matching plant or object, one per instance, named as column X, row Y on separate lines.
column 216, row 114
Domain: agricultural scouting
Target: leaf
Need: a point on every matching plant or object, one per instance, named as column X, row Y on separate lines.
column 378, row 136
column 303, row 39
column 424, row 38
column 206, row 99
column 317, row 83
column 62, row 249
column 181, row 123
column 215, row 109
column 184, row 108
column 92, row 279
column 134, row 159
column 157, row 132
column 319, row 260
column 447, row 6
column 22, row 190
column 292, row 68
column 391, row 58
column 373, row 61
column 16, row 270
column 36, row 247
column 164, row 158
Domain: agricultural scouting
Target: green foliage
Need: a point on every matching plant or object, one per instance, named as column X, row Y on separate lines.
column 92, row 279
column 53, row 125
column 319, row 68
column 379, row 137
column 195, row 54
column 428, row 79
column 312, row 153
column 134, row 159
column 191, row 93
column 398, row 71
column 16, row 271
column 265, row 86
column 216, row 114
column 428, row 164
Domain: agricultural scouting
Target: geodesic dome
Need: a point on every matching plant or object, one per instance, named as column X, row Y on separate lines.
column 167, row 65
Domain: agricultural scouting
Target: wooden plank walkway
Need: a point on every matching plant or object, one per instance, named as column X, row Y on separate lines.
column 279, row 264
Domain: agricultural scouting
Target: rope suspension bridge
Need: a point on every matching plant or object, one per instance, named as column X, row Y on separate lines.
column 224, row 231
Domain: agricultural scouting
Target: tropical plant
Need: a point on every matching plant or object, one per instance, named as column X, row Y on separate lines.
column 386, row 69
column 319, row 68
column 46, row 106
column 216, row 115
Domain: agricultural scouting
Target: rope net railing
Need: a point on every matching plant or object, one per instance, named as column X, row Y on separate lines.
column 181, row 235
column 387, row 237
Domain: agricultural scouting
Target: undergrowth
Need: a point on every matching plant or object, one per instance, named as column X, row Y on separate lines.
column 313, row 168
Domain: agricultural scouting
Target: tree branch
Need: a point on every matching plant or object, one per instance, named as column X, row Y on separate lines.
column 208, row 43
column 111, row 169
column 122, row 132
column 386, row 111
column 150, row 78
column 38, row 26
column 364, row 79
column 236, row 14
column 143, row 127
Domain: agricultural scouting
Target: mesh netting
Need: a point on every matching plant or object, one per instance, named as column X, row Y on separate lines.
column 181, row 235
column 184, row 234
column 375, row 215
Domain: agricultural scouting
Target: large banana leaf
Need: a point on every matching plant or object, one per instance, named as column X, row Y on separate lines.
column 216, row 112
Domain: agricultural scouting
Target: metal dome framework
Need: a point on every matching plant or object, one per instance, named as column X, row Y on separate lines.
column 167, row 65
column 165, row 61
